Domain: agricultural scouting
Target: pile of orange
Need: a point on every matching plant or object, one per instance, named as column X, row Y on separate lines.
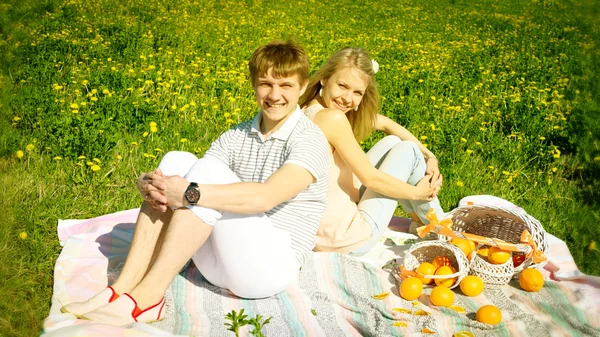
column 441, row 265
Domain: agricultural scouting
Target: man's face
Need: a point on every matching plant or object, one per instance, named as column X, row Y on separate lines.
column 277, row 97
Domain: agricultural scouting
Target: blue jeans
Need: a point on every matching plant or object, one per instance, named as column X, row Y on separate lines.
column 404, row 161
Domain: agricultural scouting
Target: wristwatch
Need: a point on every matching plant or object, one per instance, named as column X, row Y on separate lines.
column 192, row 193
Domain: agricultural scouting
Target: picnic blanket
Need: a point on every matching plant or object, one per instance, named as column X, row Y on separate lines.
column 331, row 297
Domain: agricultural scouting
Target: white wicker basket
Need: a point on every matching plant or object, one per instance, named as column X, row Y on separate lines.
column 427, row 251
column 498, row 223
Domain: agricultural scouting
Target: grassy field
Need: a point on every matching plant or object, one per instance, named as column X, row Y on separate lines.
column 94, row 93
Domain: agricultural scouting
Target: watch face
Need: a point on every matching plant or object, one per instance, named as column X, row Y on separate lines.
column 192, row 194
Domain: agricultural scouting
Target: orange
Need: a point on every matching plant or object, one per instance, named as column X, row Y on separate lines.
column 441, row 296
column 411, row 288
column 471, row 285
column 518, row 259
column 483, row 251
column 440, row 261
column 489, row 314
column 498, row 256
column 426, row 268
column 531, row 280
column 467, row 246
column 446, row 282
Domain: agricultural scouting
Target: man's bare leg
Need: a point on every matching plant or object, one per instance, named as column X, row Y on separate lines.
column 145, row 245
column 145, row 242
column 185, row 235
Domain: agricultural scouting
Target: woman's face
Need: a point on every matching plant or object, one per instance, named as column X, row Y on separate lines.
column 344, row 90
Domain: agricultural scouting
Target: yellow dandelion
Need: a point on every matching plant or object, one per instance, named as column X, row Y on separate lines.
column 592, row 246
column 23, row 235
column 106, row 91
column 183, row 140
column 119, row 157
column 460, row 183
column 134, row 143
column 145, row 134
column 16, row 119
column 597, row 158
column 464, row 140
column 153, row 129
column 57, row 158
column 152, row 124
column 90, row 163
column 432, row 127
column 29, row 147
column 20, row 154
column 95, row 168
column 423, row 137
column 85, row 82
column 81, row 157
column 554, row 169
column 469, row 151
column 158, row 149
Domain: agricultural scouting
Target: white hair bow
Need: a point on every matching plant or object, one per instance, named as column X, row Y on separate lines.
column 375, row 66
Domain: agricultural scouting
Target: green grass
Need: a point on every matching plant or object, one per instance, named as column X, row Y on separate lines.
column 504, row 93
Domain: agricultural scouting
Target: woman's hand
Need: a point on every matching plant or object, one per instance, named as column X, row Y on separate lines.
column 423, row 190
column 436, row 177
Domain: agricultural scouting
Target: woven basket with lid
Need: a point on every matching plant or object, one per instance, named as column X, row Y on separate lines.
column 498, row 223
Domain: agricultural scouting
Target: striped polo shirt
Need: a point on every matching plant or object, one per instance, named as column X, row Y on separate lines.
column 254, row 159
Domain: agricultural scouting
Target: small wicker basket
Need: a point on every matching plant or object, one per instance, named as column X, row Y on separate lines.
column 498, row 223
column 427, row 251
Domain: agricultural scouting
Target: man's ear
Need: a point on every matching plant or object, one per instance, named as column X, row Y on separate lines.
column 303, row 87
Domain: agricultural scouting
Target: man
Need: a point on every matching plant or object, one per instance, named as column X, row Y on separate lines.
column 246, row 213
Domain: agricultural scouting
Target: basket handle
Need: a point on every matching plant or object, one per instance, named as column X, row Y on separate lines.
column 405, row 273
column 443, row 227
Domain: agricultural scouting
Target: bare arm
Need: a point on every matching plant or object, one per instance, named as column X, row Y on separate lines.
column 243, row 197
column 338, row 131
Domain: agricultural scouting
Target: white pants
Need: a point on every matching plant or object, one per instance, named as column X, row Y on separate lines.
column 244, row 253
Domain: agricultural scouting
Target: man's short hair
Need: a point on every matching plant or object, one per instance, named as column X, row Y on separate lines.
column 287, row 59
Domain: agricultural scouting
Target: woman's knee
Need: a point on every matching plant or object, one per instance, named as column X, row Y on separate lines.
column 177, row 163
column 407, row 147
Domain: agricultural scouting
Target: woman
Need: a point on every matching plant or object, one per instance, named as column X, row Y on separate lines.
column 364, row 190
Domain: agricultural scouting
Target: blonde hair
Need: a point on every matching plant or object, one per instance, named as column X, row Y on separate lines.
column 363, row 119
column 285, row 58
